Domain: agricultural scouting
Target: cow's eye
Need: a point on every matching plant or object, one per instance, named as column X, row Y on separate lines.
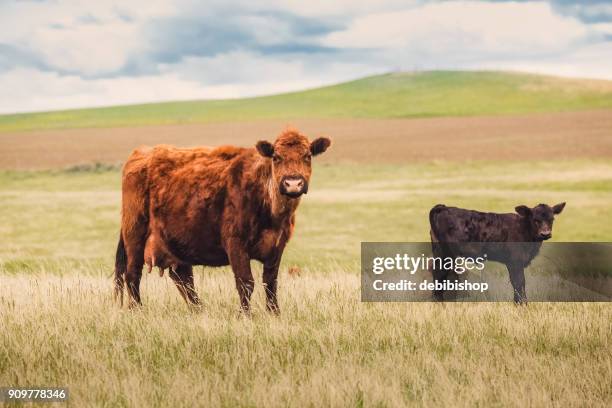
column 277, row 158
column 308, row 157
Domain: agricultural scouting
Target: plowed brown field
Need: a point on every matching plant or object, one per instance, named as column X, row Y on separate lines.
column 522, row 137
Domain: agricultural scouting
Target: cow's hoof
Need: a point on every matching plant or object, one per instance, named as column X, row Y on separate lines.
column 274, row 310
column 438, row 297
column 195, row 308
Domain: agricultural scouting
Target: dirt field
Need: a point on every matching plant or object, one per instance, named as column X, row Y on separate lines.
column 524, row 137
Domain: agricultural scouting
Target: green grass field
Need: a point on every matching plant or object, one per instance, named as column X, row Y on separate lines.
column 399, row 95
column 74, row 215
column 59, row 326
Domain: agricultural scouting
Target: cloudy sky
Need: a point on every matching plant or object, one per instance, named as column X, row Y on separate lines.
column 61, row 54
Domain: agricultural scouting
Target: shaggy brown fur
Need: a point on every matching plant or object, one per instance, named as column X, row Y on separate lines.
column 214, row 207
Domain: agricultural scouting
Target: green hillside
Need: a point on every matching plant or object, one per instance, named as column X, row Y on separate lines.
column 397, row 95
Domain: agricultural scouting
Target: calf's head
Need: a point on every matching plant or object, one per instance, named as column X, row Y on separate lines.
column 540, row 219
column 291, row 156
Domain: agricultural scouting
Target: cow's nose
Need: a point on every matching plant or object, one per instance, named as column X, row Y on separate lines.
column 546, row 234
column 294, row 185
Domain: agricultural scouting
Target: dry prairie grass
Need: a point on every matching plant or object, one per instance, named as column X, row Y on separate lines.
column 326, row 349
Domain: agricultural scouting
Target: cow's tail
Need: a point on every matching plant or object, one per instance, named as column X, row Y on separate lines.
column 120, row 269
column 432, row 220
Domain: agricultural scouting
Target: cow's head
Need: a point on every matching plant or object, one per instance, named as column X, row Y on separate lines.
column 291, row 156
column 540, row 219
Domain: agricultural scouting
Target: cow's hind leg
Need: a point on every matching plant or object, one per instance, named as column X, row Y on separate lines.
column 120, row 269
column 134, row 222
column 132, row 281
column 183, row 279
column 134, row 246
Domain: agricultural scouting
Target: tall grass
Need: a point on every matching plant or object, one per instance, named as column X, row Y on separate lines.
column 326, row 349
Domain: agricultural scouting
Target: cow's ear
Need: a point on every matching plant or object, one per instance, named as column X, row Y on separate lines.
column 319, row 145
column 523, row 210
column 266, row 149
column 558, row 208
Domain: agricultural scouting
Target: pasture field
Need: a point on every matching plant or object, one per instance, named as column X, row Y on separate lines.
column 59, row 326
column 401, row 144
column 395, row 95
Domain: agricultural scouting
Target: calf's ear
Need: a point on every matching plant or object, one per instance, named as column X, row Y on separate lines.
column 523, row 210
column 558, row 208
column 319, row 145
column 266, row 149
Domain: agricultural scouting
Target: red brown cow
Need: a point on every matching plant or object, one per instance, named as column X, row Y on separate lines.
column 214, row 207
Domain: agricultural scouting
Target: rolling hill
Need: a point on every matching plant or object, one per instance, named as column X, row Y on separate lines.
column 394, row 95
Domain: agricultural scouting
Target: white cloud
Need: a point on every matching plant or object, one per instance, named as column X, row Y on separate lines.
column 317, row 8
column 602, row 28
column 230, row 75
column 89, row 49
column 593, row 61
column 26, row 89
column 456, row 26
column 90, row 38
column 245, row 68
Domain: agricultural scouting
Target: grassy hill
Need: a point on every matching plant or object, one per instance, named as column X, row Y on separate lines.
column 396, row 95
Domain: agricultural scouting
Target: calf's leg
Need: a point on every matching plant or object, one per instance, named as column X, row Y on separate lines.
column 439, row 274
column 517, row 278
column 183, row 279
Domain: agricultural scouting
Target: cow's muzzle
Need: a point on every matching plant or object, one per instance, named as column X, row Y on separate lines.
column 545, row 235
column 293, row 186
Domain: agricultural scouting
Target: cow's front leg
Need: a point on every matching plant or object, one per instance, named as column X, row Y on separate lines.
column 183, row 279
column 241, row 266
column 270, row 279
column 517, row 278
